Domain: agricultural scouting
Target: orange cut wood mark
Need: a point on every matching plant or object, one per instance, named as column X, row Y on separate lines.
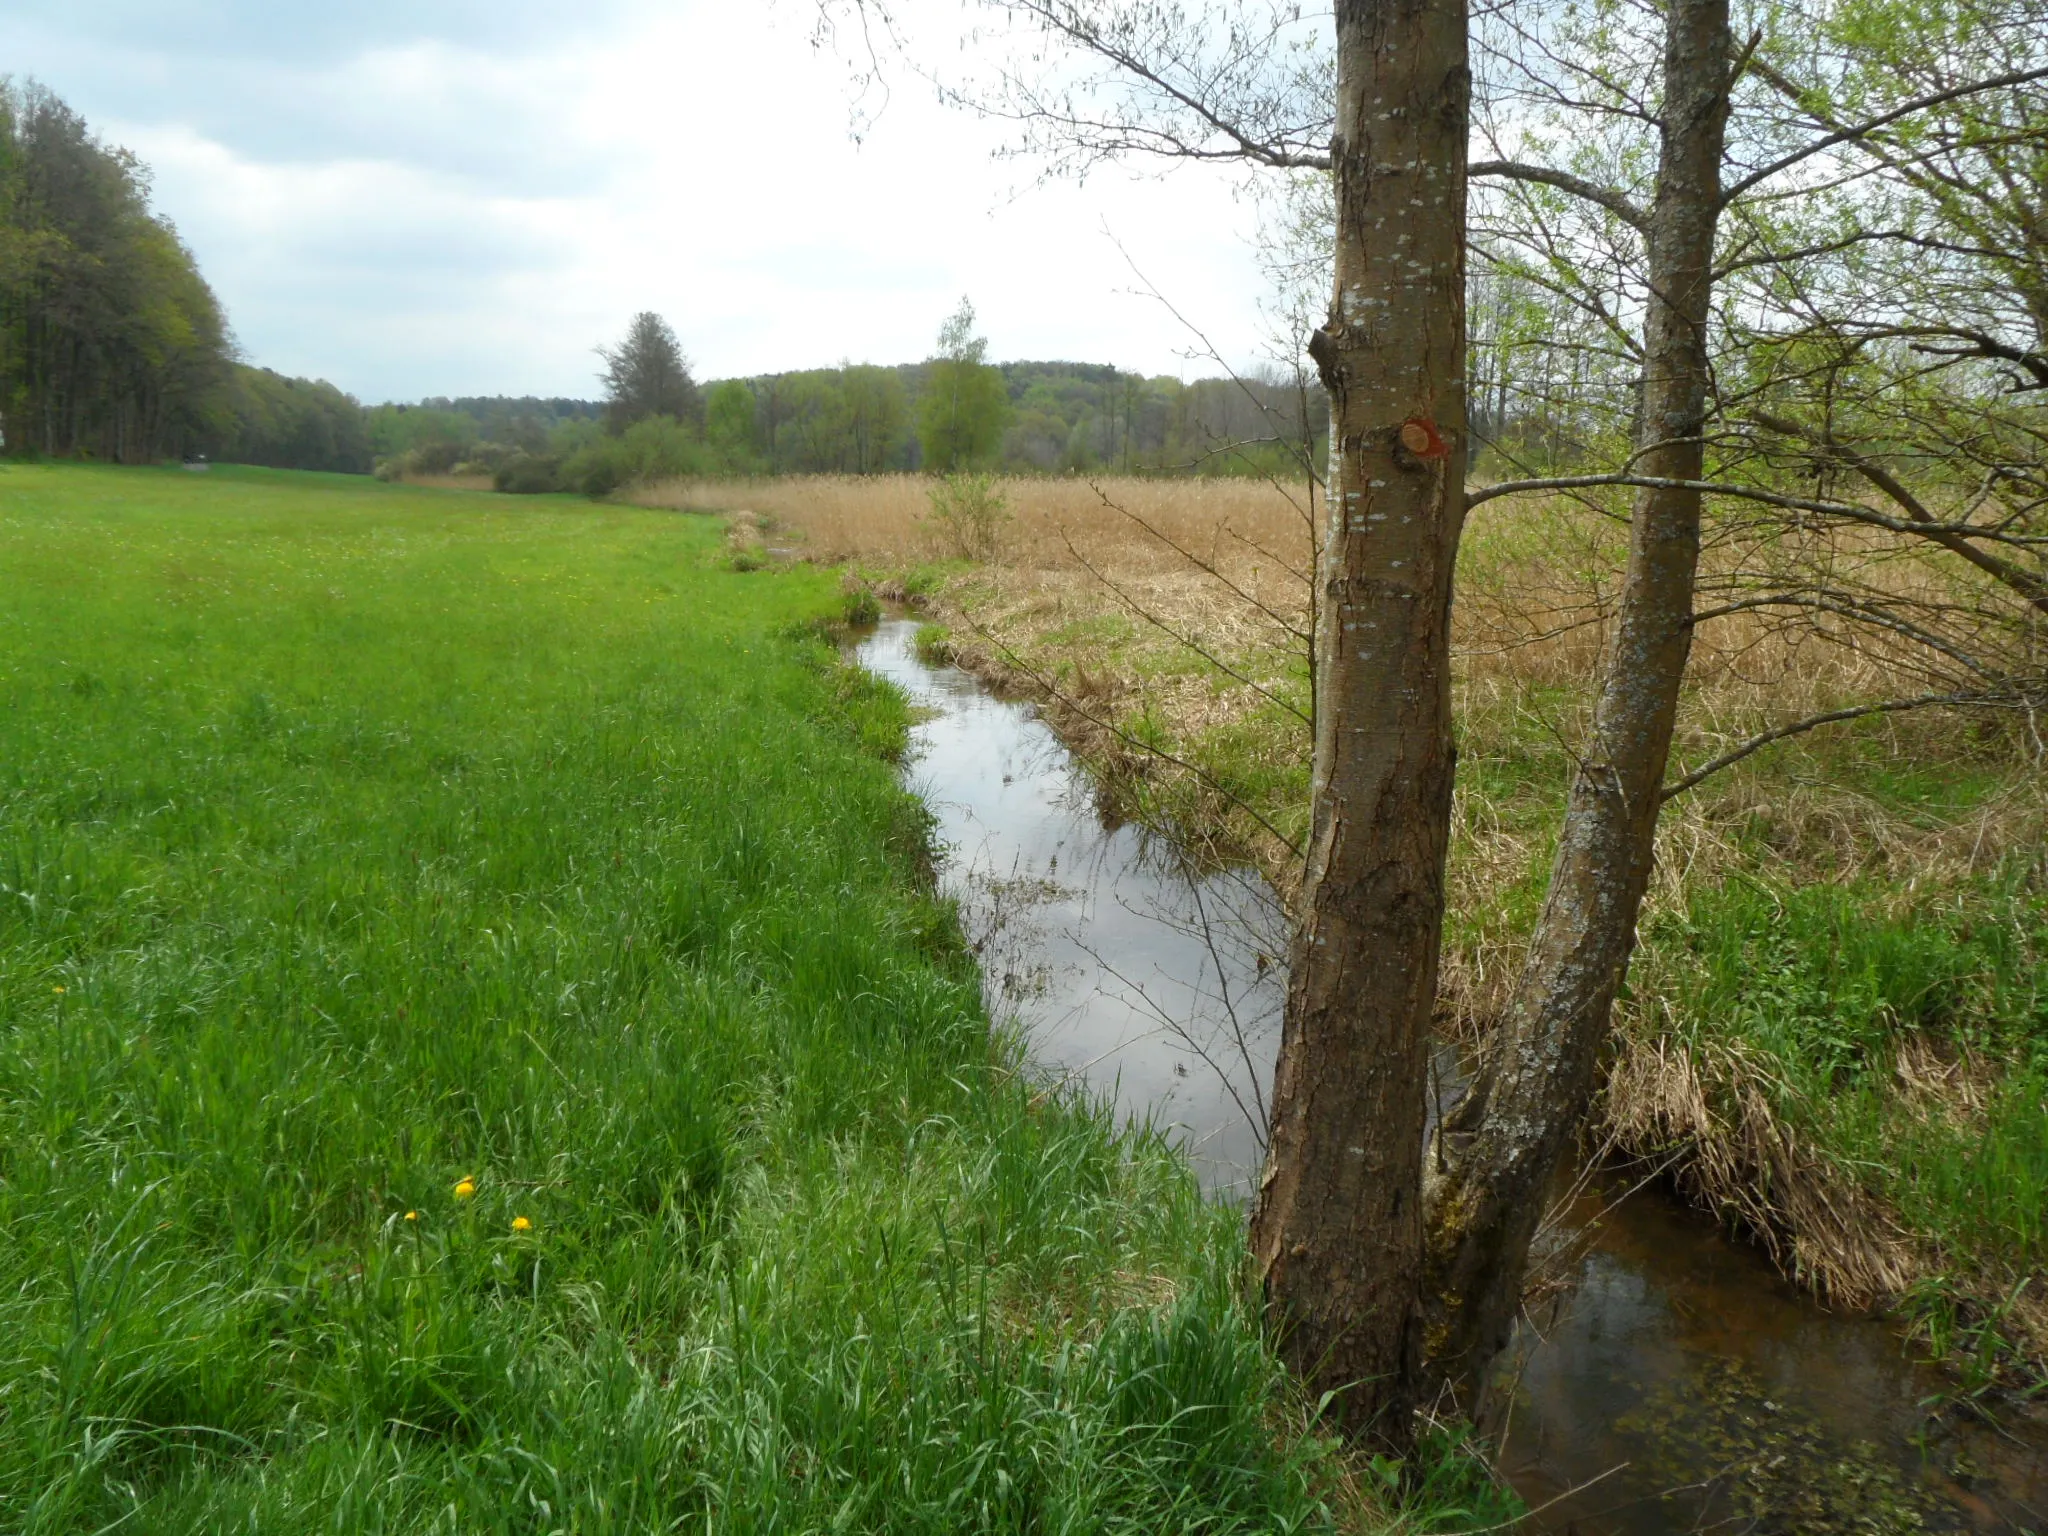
column 1421, row 438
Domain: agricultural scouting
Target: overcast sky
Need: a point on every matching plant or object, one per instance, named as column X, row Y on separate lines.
column 421, row 197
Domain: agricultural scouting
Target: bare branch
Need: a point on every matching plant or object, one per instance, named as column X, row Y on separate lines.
column 1853, row 511
column 1564, row 181
column 1052, row 690
column 1814, row 722
column 2029, row 586
column 1853, row 132
column 1208, row 568
column 1185, row 641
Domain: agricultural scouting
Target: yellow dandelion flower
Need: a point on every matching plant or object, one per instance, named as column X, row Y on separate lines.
column 58, row 990
column 412, row 1215
column 521, row 1224
column 465, row 1189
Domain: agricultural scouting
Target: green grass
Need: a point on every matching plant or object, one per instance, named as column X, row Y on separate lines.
column 1830, row 982
column 356, row 841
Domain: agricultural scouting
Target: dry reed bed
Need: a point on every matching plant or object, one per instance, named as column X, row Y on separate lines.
column 1183, row 604
column 451, row 482
column 1110, row 591
column 1101, row 585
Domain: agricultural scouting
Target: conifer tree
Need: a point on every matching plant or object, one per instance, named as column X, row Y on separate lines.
column 647, row 375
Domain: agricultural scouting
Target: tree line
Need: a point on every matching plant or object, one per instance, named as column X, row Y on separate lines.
column 112, row 345
column 955, row 410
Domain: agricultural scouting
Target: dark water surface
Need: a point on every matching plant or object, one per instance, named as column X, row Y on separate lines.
column 1679, row 1384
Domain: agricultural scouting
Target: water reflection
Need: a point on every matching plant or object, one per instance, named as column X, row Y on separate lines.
column 1735, row 1403
column 1679, row 1382
column 1123, row 968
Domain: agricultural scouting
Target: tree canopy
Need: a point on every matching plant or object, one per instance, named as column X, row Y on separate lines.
column 647, row 375
column 965, row 407
column 111, row 343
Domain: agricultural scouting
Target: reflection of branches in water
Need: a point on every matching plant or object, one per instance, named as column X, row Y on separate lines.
column 1256, row 925
column 1169, row 1024
column 1233, row 918
column 1244, row 1055
column 1236, row 940
column 995, row 920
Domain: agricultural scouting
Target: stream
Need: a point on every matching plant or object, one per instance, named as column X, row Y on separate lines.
column 1677, row 1383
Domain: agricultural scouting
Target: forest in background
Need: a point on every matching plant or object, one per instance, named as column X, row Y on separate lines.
column 113, row 347
column 861, row 418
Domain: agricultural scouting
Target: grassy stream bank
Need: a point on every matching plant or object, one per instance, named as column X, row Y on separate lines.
column 1836, row 1031
column 478, row 1053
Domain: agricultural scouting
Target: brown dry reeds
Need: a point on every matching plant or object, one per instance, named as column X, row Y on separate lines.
column 885, row 520
column 1187, row 600
column 451, row 482
column 1740, row 1160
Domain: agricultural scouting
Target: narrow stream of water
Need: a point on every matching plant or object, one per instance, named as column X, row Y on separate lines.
column 1678, row 1384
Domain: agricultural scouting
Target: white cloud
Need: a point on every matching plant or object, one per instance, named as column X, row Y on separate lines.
column 430, row 215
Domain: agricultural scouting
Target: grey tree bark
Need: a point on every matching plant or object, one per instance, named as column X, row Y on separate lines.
column 1337, row 1228
column 1493, row 1167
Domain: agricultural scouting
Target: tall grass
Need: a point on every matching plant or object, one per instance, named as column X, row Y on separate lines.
column 476, row 1054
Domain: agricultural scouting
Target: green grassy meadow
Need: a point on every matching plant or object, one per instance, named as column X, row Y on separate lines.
column 357, row 842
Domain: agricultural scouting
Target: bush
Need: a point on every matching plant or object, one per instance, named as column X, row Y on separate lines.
column 434, row 458
column 529, row 474
column 596, row 475
column 444, row 458
column 655, row 449
column 969, row 513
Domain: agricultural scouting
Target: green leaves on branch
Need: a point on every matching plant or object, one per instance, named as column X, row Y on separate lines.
column 111, row 344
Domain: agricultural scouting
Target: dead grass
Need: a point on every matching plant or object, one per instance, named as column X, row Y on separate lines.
column 451, row 482
column 1182, row 605
column 884, row 520
column 1746, row 1165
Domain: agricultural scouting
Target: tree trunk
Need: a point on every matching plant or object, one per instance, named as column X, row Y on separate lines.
column 1337, row 1229
column 1491, row 1178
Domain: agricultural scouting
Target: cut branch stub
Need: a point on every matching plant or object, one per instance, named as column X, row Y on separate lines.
column 1421, row 438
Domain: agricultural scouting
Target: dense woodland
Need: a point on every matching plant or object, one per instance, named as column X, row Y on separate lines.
column 112, row 346
column 1056, row 418
column 111, row 343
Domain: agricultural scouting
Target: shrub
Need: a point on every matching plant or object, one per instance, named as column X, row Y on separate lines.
column 442, row 458
column 969, row 513
column 529, row 474
column 655, row 449
column 596, row 474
